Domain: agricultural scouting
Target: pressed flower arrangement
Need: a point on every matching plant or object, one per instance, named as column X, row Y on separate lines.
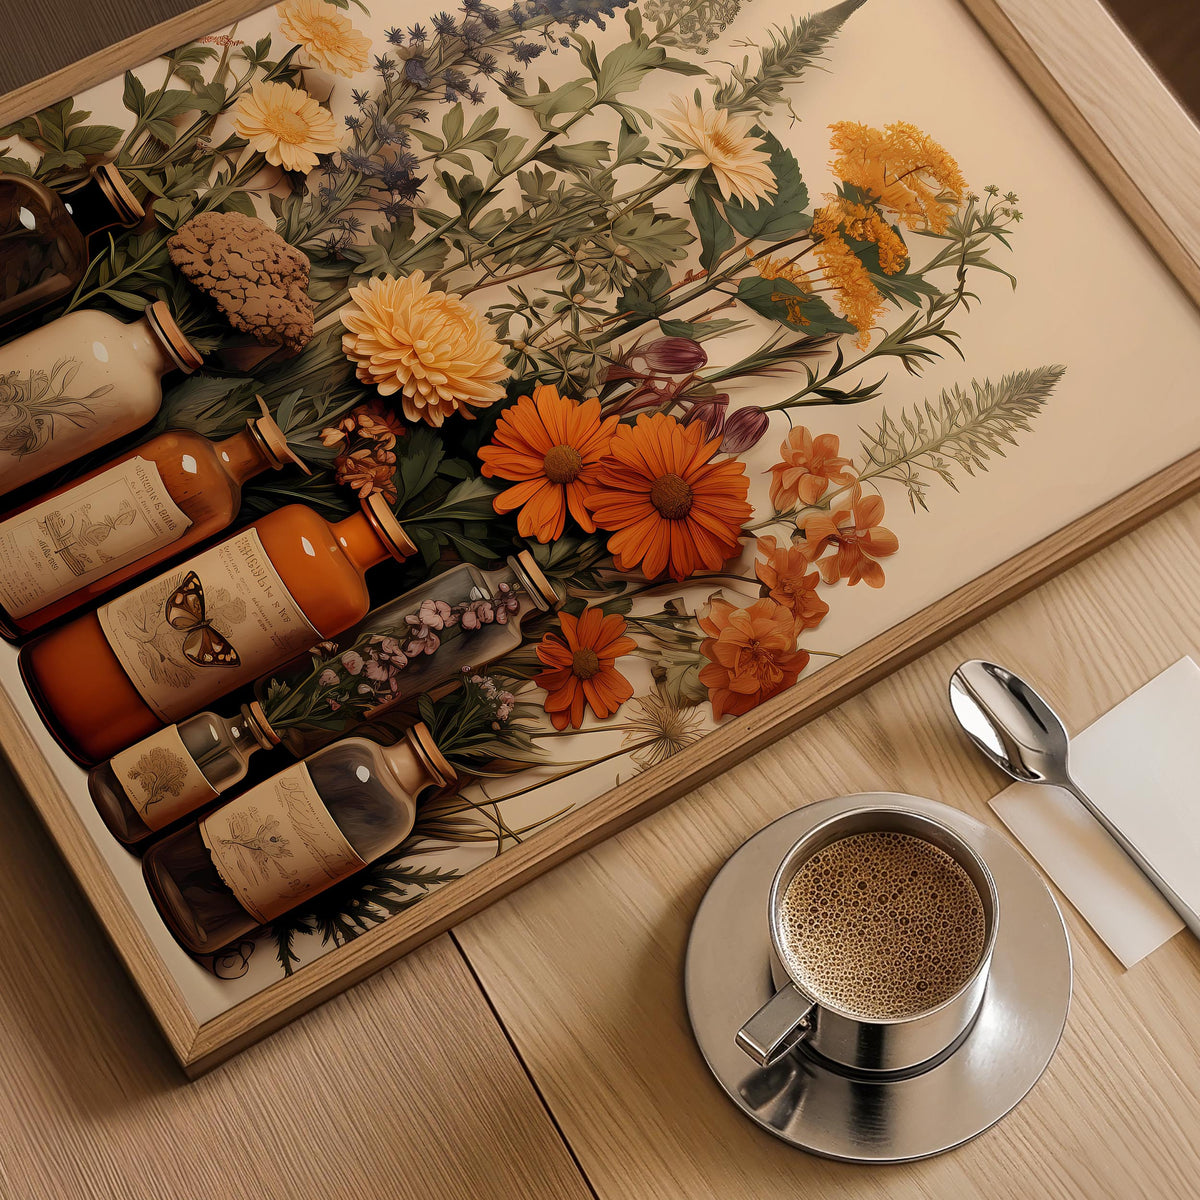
column 625, row 346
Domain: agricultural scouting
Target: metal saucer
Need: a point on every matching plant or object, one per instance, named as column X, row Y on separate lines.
column 818, row 1107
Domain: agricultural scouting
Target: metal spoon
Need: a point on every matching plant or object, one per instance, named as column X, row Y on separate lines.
column 1023, row 735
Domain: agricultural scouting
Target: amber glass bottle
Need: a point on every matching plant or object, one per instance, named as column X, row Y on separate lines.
column 285, row 840
column 66, row 549
column 310, row 703
column 44, row 235
column 211, row 624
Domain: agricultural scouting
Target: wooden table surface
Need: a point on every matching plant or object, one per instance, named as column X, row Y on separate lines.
column 542, row 1050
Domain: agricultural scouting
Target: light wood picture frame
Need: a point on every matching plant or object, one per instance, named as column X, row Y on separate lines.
column 1061, row 52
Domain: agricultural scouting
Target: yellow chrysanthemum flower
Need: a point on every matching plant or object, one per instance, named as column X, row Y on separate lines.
column 901, row 167
column 326, row 38
column 717, row 140
column 428, row 346
column 286, row 125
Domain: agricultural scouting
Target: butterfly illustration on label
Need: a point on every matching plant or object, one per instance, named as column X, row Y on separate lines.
column 202, row 644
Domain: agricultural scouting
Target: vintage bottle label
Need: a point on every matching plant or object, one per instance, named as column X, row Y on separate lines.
column 92, row 530
column 161, row 779
column 219, row 621
column 278, row 845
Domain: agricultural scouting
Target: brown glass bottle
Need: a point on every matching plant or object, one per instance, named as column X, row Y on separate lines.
column 44, row 235
column 213, row 623
column 64, row 550
column 286, row 840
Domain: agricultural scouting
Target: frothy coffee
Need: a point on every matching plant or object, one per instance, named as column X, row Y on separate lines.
column 882, row 925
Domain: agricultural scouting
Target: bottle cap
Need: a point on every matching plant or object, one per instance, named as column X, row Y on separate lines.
column 116, row 191
column 257, row 723
column 540, row 588
column 273, row 441
column 390, row 531
column 431, row 758
column 160, row 319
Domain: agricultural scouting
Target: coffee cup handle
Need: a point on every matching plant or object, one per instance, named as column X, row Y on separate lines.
column 779, row 1026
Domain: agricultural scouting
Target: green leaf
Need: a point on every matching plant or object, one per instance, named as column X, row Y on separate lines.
column 625, row 68
column 715, row 235
column 645, row 296
column 590, row 155
column 900, row 287
column 571, row 98
column 783, row 214
column 134, row 97
column 652, row 238
column 26, row 128
column 238, row 202
column 90, row 140
column 15, row 166
column 769, row 298
column 699, row 330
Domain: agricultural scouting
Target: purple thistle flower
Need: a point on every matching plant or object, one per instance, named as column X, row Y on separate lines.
column 414, row 72
column 444, row 24
column 526, row 52
column 485, row 64
column 513, row 80
column 361, row 99
column 395, row 36
column 490, row 18
column 416, row 33
column 385, row 65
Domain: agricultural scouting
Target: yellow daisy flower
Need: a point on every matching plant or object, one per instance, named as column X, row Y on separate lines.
column 326, row 38
column 286, row 125
column 715, row 139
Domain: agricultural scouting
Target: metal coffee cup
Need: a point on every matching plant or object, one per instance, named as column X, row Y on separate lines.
column 794, row 1014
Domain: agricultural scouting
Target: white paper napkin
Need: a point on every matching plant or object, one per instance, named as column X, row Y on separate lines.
column 1140, row 764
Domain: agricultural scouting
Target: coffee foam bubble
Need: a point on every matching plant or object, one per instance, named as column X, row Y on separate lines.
column 882, row 925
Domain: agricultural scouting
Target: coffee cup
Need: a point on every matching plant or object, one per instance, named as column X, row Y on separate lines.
column 883, row 923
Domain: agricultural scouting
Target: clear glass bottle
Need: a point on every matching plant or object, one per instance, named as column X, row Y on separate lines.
column 130, row 798
column 464, row 617
column 81, row 382
column 177, row 771
column 44, row 235
column 143, row 507
column 289, row 838
column 217, row 621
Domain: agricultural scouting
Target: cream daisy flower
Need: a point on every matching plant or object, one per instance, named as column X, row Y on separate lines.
column 286, row 125
column 326, row 38
column 428, row 346
column 715, row 139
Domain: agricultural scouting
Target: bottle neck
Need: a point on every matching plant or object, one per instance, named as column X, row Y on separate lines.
column 359, row 542
column 415, row 763
column 93, row 209
column 245, row 455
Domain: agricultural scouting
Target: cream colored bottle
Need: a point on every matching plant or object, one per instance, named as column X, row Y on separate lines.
column 80, row 382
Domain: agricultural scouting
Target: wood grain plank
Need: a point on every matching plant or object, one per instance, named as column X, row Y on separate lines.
column 404, row 1088
column 584, row 965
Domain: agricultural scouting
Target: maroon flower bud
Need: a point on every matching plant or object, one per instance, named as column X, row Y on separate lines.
column 711, row 411
column 674, row 355
column 744, row 429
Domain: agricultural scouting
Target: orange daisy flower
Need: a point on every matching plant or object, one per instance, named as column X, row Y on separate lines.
column 859, row 539
column 551, row 446
column 581, row 672
column 785, row 572
column 810, row 464
column 751, row 653
column 668, row 506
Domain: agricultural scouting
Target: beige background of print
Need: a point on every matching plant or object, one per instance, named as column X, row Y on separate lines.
column 1091, row 295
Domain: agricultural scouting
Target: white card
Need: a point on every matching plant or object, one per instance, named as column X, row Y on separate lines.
column 1140, row 764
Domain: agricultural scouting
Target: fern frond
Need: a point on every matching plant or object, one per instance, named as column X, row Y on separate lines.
column 960, row 430
column 782, row 61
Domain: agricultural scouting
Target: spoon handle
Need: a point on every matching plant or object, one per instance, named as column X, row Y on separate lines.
column 1187, row 914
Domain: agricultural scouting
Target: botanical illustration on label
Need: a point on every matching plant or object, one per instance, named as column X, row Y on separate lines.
column 35, row 406
column 161, row 779
column 195, row 633
column 62, row 544
column 278, row 844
